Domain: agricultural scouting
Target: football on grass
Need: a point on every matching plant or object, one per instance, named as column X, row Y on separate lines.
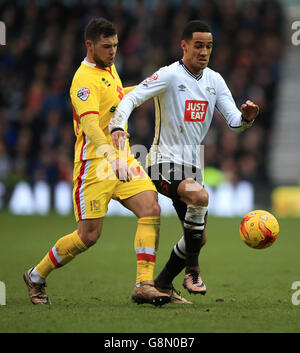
column 259, row 229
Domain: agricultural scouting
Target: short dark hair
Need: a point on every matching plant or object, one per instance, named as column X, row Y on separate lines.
column 97, row 27
column 194, row 26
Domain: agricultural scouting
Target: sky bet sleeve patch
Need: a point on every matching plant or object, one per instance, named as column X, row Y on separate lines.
column 83, row 93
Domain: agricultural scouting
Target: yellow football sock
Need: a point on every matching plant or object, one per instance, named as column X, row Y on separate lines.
column 146, row 245
column 65, row 249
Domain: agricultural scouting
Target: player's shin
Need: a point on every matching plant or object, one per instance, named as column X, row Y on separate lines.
column 173, row 267
column 193, row 234
column 64, row 250
column 146, row 244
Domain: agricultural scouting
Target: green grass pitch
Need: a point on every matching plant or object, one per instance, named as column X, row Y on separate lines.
column 248, row 290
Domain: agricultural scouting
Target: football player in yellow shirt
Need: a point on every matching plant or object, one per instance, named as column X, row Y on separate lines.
column 102, row 172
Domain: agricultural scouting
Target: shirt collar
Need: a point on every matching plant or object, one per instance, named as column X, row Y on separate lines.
column 88, row 63
column 197, row 77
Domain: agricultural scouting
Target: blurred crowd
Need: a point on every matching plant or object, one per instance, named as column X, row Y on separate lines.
column 44, row 47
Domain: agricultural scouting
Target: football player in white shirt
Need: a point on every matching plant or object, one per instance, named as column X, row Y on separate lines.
column 186, row 94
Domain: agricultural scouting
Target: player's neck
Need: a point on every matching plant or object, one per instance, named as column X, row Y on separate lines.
column 191, row 68
column 90, row 59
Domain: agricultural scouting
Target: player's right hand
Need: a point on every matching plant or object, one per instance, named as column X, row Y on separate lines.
column 120, row 168
column 118, row 138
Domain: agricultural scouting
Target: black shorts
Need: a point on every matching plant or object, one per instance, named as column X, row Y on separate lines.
column 167, row 177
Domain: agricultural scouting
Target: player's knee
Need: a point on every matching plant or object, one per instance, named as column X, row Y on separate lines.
column 89, row 237
column 152, row 209
column 149, row 208
column 192, row 193
column 199, row 198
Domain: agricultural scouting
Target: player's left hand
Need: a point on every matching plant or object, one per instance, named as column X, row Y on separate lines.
column 118, row 139
column 249, row 110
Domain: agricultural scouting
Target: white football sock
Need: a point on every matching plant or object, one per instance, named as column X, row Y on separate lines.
column 35, row 277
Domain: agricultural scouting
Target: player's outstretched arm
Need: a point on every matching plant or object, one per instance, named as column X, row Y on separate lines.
column 128, row 89
column 149, row 88
column 238, row 120
column 249, row 110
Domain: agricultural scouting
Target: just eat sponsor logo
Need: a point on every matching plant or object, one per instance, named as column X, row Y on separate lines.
column 195, row 110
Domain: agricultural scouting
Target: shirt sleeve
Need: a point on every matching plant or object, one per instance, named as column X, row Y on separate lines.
column 227, row 107
column 85, row 97
column 128, row 89
column 90, row 126
column 149, row 88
